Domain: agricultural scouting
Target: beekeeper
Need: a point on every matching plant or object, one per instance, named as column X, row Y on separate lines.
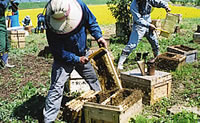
column 4, row 43
column 27, row 21
column 67, row 21
column 140, row 10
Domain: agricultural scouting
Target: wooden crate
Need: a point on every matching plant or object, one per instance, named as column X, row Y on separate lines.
column 170, row 61
column 73, row 109
column 112, row 110
column 154, row 87
column 28, row 28
column 171, row 21
column 196, row 37
column 17, row 38
column 190, row 53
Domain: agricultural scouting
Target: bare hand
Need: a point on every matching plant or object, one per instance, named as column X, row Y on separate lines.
column 102, row 42
column 83, row 60
column 152, row 27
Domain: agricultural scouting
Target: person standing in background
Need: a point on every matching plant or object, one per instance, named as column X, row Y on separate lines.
column 4, row 43
column 142, row 27
column 14, row 18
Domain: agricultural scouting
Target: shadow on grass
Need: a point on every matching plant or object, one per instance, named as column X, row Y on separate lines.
column 32, row 107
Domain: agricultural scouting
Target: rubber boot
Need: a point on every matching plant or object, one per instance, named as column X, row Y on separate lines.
column 122, row 59
column 5, row 59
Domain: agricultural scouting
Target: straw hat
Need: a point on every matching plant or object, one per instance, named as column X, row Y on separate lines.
column 63, row 16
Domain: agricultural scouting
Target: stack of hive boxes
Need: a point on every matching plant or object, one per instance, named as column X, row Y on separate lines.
column 17, row 38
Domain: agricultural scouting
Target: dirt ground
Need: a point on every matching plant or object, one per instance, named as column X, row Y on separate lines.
column 34, row 70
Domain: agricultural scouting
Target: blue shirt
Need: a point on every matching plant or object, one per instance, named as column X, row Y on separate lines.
column 142, row 17
column 68, row 48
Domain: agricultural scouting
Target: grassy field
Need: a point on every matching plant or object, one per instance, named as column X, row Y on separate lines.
column 34, row 5
column 23, row 89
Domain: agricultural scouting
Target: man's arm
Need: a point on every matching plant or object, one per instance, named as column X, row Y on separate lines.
column 93, row 26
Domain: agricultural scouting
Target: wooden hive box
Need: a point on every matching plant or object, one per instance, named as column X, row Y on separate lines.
column 190, row 53
column 154, row 87
column 170, row 61
column 130, row 104
column 117, row 108
column 196, row 37
column 112, row 104
column 17, row 38
column 72, row 112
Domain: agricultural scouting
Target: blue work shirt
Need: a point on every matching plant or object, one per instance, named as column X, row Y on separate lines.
column 143, row 17
column 67, row 48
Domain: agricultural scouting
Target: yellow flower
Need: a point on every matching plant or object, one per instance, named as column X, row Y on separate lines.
column 104, row 15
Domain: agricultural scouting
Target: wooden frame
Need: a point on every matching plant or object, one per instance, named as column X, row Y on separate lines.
column 154, row 87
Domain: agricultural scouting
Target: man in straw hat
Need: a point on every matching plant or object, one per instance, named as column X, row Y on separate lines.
column 67, row 21
column 140, row 10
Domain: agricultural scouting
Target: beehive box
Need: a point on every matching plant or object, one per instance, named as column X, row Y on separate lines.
column 28, row 28
column 17, row 38
column 190, row 53
column 110, row 92
column 72, row 112
column 171, row 22
column 170, row 61
column 117, row 108
column 154, row 87
column 112, row 104
column 196, row 37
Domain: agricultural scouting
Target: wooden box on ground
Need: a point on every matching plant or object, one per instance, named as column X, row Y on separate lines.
column 154, row 87
column 190, row 53
column 77, row 83
column 123, row 102
column 117, row 108
column 72, row 112
column 170, row 61
column 196, row 37
column 113, row 104
column 17, row 38
column 28, row 28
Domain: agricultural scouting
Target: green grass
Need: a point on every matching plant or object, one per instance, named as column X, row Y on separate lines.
column 27, row 5
column 32, row 5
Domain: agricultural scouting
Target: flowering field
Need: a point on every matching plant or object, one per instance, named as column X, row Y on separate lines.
column 104, row 15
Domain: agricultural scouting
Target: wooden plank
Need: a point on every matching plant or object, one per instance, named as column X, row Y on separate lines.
column 132, row 111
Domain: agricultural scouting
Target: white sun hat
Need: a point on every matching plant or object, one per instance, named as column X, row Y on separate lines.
column 63, row 16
